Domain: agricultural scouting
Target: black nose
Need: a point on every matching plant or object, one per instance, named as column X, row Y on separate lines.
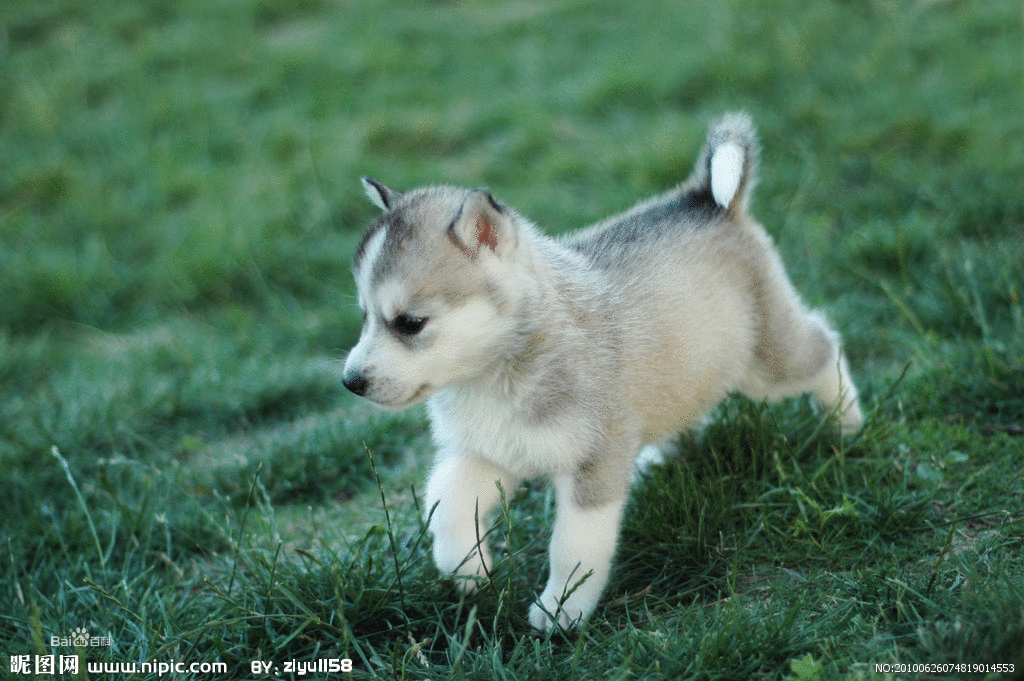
column 357, row 383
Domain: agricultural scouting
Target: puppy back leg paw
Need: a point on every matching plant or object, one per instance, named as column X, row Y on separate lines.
column 800, row 352
column 836, row 389
column 851, row 419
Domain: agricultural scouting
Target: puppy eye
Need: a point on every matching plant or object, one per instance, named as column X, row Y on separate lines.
column 408, row 325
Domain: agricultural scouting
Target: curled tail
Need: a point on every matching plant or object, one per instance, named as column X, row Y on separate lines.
column 727, row 167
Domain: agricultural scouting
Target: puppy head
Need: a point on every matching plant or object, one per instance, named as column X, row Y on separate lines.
column 429, row 275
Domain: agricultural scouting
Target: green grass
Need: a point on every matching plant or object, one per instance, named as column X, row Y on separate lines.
column 182, row 473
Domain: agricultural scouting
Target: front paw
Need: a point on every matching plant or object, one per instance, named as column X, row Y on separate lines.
column 549, row 611
column 851, row 420
column 469, row 567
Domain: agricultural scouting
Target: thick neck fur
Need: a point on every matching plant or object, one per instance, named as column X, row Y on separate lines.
column 555, row 314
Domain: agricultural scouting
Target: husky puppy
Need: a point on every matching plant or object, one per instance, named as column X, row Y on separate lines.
column 564, row 357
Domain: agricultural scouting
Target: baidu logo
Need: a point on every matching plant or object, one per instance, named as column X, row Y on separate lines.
column 79, row 638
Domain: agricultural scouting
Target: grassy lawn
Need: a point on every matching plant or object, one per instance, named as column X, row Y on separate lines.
column 183, row 476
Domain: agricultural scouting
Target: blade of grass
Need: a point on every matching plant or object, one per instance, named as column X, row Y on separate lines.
column 81, row 501
column 391, row 534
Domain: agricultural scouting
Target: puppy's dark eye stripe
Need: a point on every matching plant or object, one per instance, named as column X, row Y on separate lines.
column 408, row 325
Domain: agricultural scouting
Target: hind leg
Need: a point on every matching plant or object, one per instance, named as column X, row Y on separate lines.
column 831, row 384
column 797, row 352
column 833, row 387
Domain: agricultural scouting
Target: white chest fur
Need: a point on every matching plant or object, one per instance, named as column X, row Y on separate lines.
column 483, row 425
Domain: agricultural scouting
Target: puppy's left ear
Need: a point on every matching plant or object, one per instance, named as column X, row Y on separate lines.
column 384, row 197
column 482, row 223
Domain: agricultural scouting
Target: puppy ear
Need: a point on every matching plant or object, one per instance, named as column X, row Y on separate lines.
column 482, row 223
column 382, row 196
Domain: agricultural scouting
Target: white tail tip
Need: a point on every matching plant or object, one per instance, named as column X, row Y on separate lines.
column 726, row 172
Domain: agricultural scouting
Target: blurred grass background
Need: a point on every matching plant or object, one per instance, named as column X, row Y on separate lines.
column 179, row 202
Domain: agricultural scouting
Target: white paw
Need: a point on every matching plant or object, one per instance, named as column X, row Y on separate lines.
column 568, row 613
column 471, row 565
column 851, row 420
column 542, row 621
column 649, row 456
